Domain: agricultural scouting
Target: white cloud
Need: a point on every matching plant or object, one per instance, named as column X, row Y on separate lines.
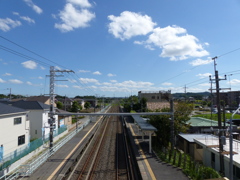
column 29, row 83
column 204, row 84
column 81, row 3
column 72, row 80
column 83, row 71
column 28, row 19
column 113, row 81
column 175, row 43
column 25, row 18
column 88, row 80
column 42, row 68
column 7, row 74
column 29, row 64
column 37, row 9
column 62, row 86
column 235, row 81
column 40, row 77
column 167, row 84
column 133, row 84
column 78, row 87
column 73, row 17
column 15, row 81
column 204, row 75
column 7, row 24
column 2, row 81
column 130, row 24
column 199, row 62
column 97, row 73
column 111, row 75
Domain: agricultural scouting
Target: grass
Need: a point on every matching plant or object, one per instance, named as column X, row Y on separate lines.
column 215, row 116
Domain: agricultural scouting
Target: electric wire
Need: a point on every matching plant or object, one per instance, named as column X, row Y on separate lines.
column 31, row 51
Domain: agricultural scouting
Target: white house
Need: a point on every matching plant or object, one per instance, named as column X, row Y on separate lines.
column 38, row 116
column 14, row 129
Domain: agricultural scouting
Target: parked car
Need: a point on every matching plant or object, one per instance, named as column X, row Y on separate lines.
column 227, row 111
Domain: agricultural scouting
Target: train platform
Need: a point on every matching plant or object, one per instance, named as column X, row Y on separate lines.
column 53, row 168
column 150, row 166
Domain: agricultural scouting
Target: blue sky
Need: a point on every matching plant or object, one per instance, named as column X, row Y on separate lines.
column 117, row 48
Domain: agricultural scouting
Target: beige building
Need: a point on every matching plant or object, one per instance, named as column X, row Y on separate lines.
column 156, row 99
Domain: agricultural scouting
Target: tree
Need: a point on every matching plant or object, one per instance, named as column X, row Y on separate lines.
column 75, row 107
column 162, row 122
column 59, row 105
column 87, row 105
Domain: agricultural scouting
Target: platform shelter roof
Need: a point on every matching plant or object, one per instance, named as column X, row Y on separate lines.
column 143, row 124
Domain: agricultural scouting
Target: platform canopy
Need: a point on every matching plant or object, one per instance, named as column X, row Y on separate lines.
column 143, row 124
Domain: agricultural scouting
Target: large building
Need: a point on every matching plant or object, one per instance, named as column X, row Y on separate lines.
column 156, row 99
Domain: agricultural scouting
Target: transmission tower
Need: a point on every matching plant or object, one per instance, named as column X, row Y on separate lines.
column 51, row 120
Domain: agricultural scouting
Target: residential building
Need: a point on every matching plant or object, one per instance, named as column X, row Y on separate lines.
column 38, row 116
column 199, row 125
column 14, row 129
column 42, row 99
column 155, row 99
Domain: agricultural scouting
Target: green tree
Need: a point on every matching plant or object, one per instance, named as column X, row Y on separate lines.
column 59, row 105
column 75, row 107
column 87, row 105
column 162, row 122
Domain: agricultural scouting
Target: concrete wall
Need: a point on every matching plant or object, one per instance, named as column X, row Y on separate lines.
column 9, row 132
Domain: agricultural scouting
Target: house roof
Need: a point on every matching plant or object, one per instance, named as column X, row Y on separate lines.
column 143, row 124
column 8, row 109
column 191, row 137
column 199, row 121
column 42, row 99
column 30, row 105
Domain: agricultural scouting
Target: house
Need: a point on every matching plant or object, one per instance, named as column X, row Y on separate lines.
column 186, row 143
column 38, row 116
column 14, row 129
column 211, row 154
column 64, row 119
column 156, row 99
column 42, row 99
column 202, row 125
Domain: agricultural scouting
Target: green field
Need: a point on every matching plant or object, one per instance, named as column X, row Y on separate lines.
column 215, row 116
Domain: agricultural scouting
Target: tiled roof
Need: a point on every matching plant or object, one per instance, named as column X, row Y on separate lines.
column 30, row 105
column 8, row 109
column 199, row 121
column 42, row 99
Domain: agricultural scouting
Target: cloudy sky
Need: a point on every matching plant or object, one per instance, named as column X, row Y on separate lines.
column 117, row 48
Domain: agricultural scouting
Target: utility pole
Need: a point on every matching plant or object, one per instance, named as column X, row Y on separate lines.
column 52, row 100
column 219, row 115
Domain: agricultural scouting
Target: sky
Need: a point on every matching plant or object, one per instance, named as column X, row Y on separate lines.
column 116, row 48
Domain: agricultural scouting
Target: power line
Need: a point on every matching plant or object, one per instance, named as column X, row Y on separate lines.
column 31, row 51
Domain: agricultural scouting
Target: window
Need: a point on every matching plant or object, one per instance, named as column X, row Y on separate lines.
column 21, row 140
column 153, row 97
column 35, row 131
column 17, row 120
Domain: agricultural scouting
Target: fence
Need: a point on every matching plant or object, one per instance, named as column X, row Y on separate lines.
column 190, row 167
column 21, row 152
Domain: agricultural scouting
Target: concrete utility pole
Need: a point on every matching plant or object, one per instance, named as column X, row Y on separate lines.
column 51, row 120
column 219, row 115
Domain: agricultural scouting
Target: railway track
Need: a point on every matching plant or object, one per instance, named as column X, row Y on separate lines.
column 108, row 155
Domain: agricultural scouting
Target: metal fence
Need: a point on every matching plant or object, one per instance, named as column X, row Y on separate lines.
column 9, row 159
